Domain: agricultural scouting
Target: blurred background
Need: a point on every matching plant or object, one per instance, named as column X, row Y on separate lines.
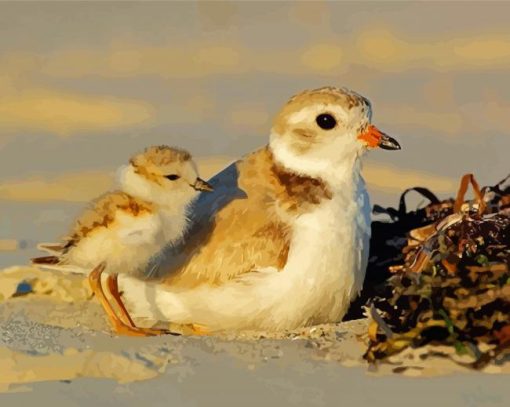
column 85, row 85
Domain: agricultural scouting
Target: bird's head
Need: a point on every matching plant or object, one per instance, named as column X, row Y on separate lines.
column 164, row 175
column 323, row 128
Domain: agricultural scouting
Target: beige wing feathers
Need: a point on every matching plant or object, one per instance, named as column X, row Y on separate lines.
column 259, row 237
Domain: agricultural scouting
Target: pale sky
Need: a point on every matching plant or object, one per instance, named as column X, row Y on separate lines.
column 85, row 85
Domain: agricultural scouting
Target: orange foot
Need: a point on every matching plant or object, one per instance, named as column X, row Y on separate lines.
column 119, row 327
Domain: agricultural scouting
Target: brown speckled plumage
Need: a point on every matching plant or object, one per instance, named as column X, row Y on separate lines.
column 160, row 156
column 102, row 212
column 150, row 162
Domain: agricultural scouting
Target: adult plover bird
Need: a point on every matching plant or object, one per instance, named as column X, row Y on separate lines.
column 123, row 229
column 283, row 241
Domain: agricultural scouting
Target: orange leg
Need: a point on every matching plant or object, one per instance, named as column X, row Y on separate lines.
column 118, row 325
column 195, row 329
column 113, row 286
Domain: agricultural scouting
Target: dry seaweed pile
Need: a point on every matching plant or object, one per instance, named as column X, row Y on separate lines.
column 453, row 284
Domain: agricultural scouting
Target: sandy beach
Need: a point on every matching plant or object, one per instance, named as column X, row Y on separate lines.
column 55, row 344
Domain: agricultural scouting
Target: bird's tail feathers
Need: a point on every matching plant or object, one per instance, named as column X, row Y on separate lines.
column 52, row 248
column 63, row 268
column 46, row 260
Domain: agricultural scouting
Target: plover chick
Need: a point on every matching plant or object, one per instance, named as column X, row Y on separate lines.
column 123, row 229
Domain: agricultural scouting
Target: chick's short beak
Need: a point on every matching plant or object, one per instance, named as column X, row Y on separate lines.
column 373, row 137
column 201, row 185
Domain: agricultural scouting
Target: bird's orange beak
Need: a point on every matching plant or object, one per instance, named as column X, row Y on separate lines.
column 373, row 137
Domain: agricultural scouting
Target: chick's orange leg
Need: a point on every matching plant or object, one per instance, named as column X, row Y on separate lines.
column 119, row 327
column 113, row 286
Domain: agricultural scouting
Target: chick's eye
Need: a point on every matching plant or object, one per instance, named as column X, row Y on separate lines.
column 325, row 121
column 172, row 177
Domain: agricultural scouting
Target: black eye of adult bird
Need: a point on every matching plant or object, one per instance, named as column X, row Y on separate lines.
column 172, row 177
column 325, row 121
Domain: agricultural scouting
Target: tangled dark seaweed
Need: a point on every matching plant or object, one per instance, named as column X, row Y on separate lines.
column 452, row 286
